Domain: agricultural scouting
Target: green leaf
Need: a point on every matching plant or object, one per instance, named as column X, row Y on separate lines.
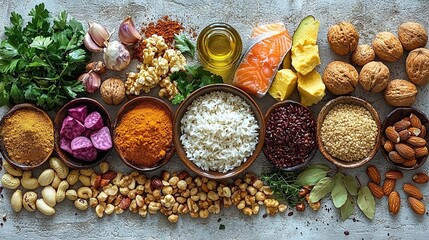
column 184, row 45
column 351, row 185
column 178, row 99
column 61, row 22
column 77, row 55
column 311, row 176
column 339, row 191
column 8, row 51
column 41, row 43
column 319, row 191
column 348, row 208
column 320, row 166
column 366, row 202
column 16, row 94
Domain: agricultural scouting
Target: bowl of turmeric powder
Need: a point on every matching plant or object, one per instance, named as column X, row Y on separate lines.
column 26, row 136
column 143, row 133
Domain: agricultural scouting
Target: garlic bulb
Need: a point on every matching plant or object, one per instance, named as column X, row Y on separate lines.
column 99, row 34
column 91, row 81
column 127, row 32
column 116, row 56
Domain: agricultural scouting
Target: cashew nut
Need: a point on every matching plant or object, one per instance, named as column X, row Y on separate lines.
column 29, row 182
column 61, row 191
column 60, row 168
column 16, row 201
column 71, row 194
column 85, row 180
column 84, row 192
column 49, row 196
column 104, row 167
column 46, row 177
column 81, row 204
column 16, row 172
column 109, row 209
column 44, row 208
column 29, row 201
column 99, row 210
column 73, row 177
column 56, row 182
column 10, row 182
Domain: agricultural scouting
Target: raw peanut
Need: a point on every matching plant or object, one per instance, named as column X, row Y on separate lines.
column 59, row 167
column 405, row 151
column 46, row 177
column 73, row 177
column 410, row 162
column 413, row 191
column 421, row 151
column 394, row 202
column 373, row 174
column 10, row 182
column 87, row 172
column 104, row 167
column 85, row 180
column 81, row 204
column 16, row 201
column 388, row 186
column 423, row 131
column 396, row 158
column 404, row 135
column 392, row 134
column 71, row 194
column 415, row 121
column 44, row 208
column 421, row 178
column 402, row 125
column 394, row 174
column 414, row 131
column 417, row 206
column 416, row 141
column 389, row 145
column 376, row 190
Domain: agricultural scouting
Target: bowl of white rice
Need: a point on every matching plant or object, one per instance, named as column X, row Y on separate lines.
column 218, row 131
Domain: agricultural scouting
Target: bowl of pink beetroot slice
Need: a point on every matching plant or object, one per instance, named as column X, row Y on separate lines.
column 83, row 134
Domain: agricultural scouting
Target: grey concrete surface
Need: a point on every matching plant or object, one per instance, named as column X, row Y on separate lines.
column 368, row 16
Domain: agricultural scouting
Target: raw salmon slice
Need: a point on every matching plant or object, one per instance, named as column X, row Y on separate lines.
column 268, row 28
column 258, row 67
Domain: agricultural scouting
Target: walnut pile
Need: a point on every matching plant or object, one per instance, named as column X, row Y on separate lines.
column 387, row 47
column 343, row 38
column 374, row 77
column 112, row 91
column 340, row 77
column 363, row 55
column 417, row 66
column 400, row 93
column 412, row 35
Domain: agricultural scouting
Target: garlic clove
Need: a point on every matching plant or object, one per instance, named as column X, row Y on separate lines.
column 99, row 34
column 90, row 44
column 91, row 81
column 128, row 33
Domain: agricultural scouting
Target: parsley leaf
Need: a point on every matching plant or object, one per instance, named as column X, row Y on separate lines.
column 184, row 45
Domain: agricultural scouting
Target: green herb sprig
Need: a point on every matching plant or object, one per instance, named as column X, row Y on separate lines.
column 284, row 186
column 184, row 45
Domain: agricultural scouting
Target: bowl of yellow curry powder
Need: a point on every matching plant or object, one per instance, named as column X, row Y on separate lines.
column 26, row 136
column 143, row 135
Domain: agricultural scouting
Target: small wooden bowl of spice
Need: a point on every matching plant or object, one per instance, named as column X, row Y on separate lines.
column 26, row 136
column 143, row 133
column 348, row 131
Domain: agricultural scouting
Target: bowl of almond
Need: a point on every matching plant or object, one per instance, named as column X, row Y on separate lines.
column 405, row 139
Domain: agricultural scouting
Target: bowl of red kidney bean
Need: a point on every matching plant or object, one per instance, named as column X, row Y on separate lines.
column 290, row 135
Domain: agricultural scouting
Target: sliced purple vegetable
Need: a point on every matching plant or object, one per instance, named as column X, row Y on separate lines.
column 102, row 139
column 83, row 149
column 87, row 133
column 79, row 113
column 71, row 128
column 80, row 143
column 65, row 145
column 94, row 121
column 88, row 155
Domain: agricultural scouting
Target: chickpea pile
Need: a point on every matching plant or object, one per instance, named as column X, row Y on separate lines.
column 171, row 194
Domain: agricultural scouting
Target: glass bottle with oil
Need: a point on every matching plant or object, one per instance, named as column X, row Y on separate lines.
column 219, row 49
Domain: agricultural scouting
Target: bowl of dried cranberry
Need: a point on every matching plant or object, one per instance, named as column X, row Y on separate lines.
column 290, row 135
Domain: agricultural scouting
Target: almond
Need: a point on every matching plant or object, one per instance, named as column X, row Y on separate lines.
column 373, row 174
column 109, row 175
column 389, row 146
column 396, row 158
column 404, row 135
column 413, row 191
column 405, row 151
column 388, row 186
column 417, row 206
column 409, row 162
column 394, row 174
column 401, row 125
column 104, row 182
column 376, row 190
column 392, row 134
column 421, row 151
column 414, row 131
column 407, row 119
column 423, row 133
column 124, row 203
column 421, row 178
column 394, row 202
column 416, row 141
column 415, row 121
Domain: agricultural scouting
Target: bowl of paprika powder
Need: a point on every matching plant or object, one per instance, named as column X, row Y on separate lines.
column 143, row 133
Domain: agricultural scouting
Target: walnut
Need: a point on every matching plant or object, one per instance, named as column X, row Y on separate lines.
column 343, row 38
column 412, row 35
column 340, row 77
column 112, row 91
column 374, row 77
column 387, row 47
column 417, row 66
column 400, row 93
column 363, row 55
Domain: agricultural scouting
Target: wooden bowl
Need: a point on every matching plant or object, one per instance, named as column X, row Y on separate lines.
column 134, row 102
column 3, row 148
column 92, row 105
column 310, row 155
column 355, row 101
column 177, row 132
column 395, row 116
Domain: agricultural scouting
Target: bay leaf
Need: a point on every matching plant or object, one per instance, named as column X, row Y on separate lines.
column 366, row 202
column 348, row 207
column 311, row 176
column 320, row 166
column 351, row 185
column 319, row 191
column 339, row 191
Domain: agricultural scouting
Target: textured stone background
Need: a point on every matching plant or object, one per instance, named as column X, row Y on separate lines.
column 369, row 17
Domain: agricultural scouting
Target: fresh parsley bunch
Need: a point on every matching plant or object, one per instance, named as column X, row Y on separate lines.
column 40, row 63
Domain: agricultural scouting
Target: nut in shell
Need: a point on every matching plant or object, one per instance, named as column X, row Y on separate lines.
column 374, row 77
column 343, row 38
column 340, row 77
column 363, row 55
column 400, row 93
column 412, row 35
column 417, row 66
column 387, row 47
column 112, row 91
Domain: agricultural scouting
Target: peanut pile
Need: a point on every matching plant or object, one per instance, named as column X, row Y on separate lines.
column 110, row 192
